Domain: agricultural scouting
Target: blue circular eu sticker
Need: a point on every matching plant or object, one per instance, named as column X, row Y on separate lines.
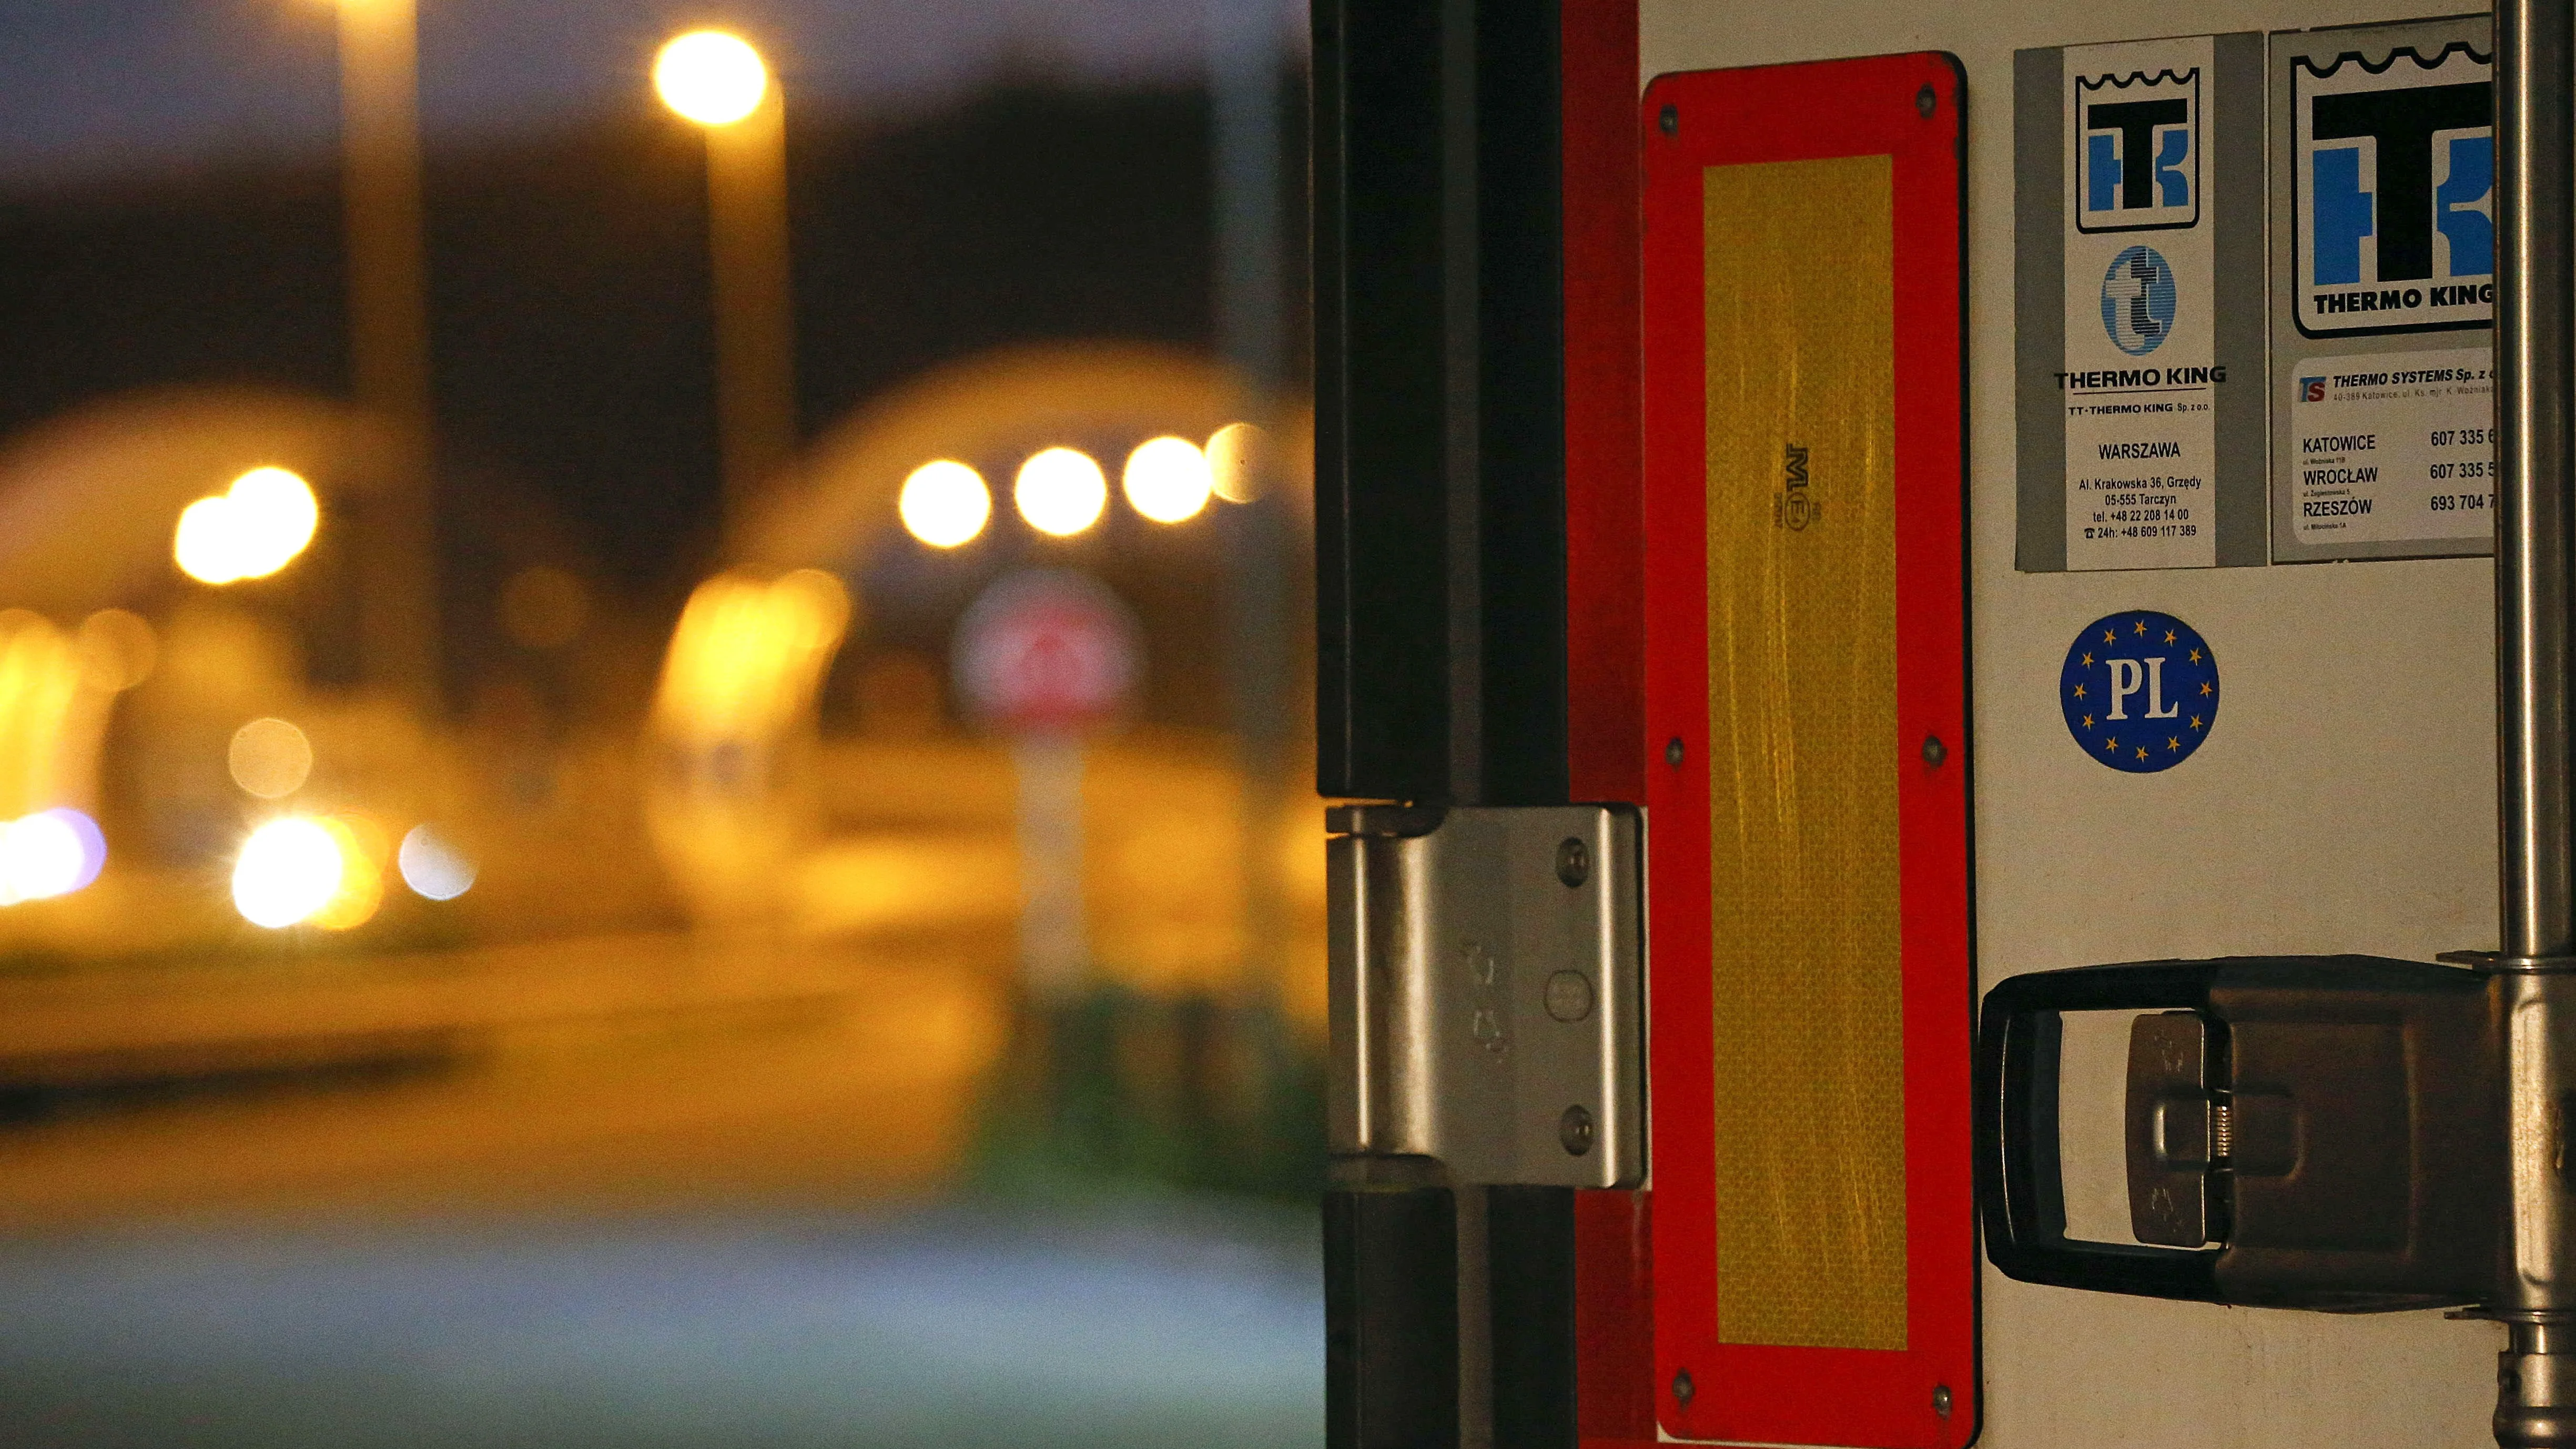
column 2140, row 691
column 2138, row 301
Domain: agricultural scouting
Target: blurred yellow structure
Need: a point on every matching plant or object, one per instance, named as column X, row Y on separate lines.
column 845, row 839
column 733, row 724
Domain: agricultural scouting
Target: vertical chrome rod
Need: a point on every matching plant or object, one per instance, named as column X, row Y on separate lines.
column 2532, row 331
column 2535, row 203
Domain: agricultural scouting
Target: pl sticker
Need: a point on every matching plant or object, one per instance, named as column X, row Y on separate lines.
column 2140, row 691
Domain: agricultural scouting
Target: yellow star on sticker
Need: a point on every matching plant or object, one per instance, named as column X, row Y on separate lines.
column 2079, row 691
column 2173, row 742
column 2195, row 656
column 2142, row 626
column 2195, row 721
column 2142, row 754
column 2088, row 721
column 2088, row 661
column 2206, row 691
column 2169, row 636
column 2109, row 638
column 2112, row 743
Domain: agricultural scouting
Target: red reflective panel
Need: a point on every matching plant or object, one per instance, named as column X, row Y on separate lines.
column 1814, row 1268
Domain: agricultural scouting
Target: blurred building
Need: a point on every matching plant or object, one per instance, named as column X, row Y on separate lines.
column 511, row 875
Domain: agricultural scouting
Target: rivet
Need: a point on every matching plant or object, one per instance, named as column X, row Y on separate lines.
column 1682, row 1387
column 1573, row 862
column 1574, row 1131
column 1934, row 752
column 1925, row 102
column 1568, row 996
column 1669, row 121
column 1941, row 1400
column 1673, row 752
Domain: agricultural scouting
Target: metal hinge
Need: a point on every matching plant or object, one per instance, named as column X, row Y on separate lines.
column 1487, row 969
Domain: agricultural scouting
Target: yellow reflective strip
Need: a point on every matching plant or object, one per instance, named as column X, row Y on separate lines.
column 1803, row 754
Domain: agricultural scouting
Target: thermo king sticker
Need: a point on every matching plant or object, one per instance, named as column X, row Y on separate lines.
column 2138, row 303
column 2383, row 277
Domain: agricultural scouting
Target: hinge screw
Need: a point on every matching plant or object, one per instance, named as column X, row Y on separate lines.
column 1673, row 752
column 1925, row 102
column 1668, row 121
column 1573, row 862
column 1682, row 1387
column 1934, row 752
column 1941, row 1392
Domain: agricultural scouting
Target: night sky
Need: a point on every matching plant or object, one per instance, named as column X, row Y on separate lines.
column 119, row 85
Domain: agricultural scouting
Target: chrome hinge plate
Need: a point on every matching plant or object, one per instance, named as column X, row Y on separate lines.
column 1487, row 990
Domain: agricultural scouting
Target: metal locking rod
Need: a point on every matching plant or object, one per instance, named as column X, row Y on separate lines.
column 1486, row 991
column 2535, row 323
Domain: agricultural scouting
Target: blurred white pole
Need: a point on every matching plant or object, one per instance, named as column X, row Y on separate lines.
column 1054, row 956
column 389, row 335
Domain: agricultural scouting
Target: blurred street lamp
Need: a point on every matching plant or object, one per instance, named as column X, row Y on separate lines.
column 389, row 329
column 258, row 526
column 945, row 503
column 1238, row 456
column 1060, row 491
column 1167, row 480
column 719, row 82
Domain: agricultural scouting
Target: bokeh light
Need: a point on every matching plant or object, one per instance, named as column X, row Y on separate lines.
column 270, row 758
column 289, row 869
column 118, row 650
column 1167, row 479
column 250, row 531
column 1238, row 458
column 1061, row 491
column 433, row 868
column 945, row 503
column 713, row 78
column 362, row 874
column 50, row 853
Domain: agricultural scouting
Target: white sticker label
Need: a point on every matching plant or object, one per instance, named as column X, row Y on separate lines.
column 2393, row 446
column 2139, row 382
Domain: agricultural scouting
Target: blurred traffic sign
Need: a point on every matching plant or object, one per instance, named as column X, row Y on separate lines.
column 1046, row 651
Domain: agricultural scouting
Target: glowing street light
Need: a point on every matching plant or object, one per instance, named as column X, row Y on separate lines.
column 1167, row 480
column 1060, row 491
column 719, row 82
column 710, row 77
column 288, row 870
column 250, row 531
column 321, row 871
column 50, row 853
column 945, row 503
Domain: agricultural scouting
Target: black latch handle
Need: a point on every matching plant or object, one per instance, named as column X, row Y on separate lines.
column 2020, row 1184
column 2329, row 1124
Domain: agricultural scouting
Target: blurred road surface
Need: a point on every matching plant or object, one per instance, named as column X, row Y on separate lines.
column 951, row 1328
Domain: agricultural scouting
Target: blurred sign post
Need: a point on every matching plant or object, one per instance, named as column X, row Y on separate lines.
column 1046, row 655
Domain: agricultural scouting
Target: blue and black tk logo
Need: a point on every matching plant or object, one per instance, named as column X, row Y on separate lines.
column 2139, row 301
column 2140, row 691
